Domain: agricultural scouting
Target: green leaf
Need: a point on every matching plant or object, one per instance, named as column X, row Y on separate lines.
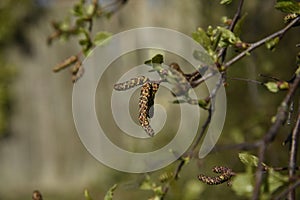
column 201, row 37
column 248, row 159
column 179, row 101
column 238, row 27
column 272, row 43
column 226, row 2
column 227, row 36
column 102, row 37
column 147, row 184
column 110, row 193
column 87, row 195
column 275, row 180
column 203, row 57
column 288, row 6
column 242, row 184
column 157, row 59
column 272, row 86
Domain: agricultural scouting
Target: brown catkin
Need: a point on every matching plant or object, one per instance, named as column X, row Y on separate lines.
column 154, row 89
column 146, row 93
column 225, row 175
column 140, row 80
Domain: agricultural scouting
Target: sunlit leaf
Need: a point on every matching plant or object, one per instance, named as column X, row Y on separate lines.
column 248, row 159
column 110, row 193
column 226, row 2
column 228, row 36
column 203, row 57
column 201, row 37
column 288, row 6
column 87, row 195
column 147, row 184
column 242, row 184
column 276, row 179
column 271, row 44
column 101, row 37
column 272, row 86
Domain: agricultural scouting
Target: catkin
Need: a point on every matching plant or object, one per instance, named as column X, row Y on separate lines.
column 140, row 80
column 145, row 100
column 225, row 172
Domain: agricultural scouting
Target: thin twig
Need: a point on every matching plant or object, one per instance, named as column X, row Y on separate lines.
column 285, row 192
column 235, row 19
column 190, row 153
column 293, row 155
column 272, row 132
column 257, row 44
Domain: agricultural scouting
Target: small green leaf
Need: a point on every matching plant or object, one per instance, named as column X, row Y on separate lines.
column 242, row 184
column 90, row 9
column 157, row 59
column 202, row 103
column 276, row 179
column 147, row 184
column 110, row 193
column 228, row 36
column 238, row 27
column 248, row 159
column 203, row 57
column 272, row 86
column 179, row 101
column 87, row 195
column 283, row 85
column 226, row 2
column 102, row 37
column 158, row 191
column 288, row 6
column 201, row 37
column 272, row 43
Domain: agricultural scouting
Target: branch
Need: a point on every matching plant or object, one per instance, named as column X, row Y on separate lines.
column 272, row 132
column 235, row 19
column 285, row 192
column 190, row 153
column 257, row 44
column 293, row 155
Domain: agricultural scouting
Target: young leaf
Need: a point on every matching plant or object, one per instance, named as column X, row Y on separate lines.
column 226, row 2
column 248, row 159
column 276, row 179
column 110, row 193
column 87, row 195
column 241, row 184
column 272, row 43
column 101, row 37
column 288, row 6
column 147, row 184
column 201, row 37
column 272, row 86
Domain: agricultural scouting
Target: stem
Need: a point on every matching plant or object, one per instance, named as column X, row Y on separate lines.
column 271, row 134
column 293, row 155
column 235, row 19
column 257, row 44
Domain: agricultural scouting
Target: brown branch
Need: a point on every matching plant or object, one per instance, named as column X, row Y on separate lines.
column 271, row 134
column 293, row 155
column 285, row 192
column 235, row 19
column 190, row 153
column 257, row 44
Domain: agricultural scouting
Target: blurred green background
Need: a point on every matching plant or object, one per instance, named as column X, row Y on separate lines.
column 39, row 146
